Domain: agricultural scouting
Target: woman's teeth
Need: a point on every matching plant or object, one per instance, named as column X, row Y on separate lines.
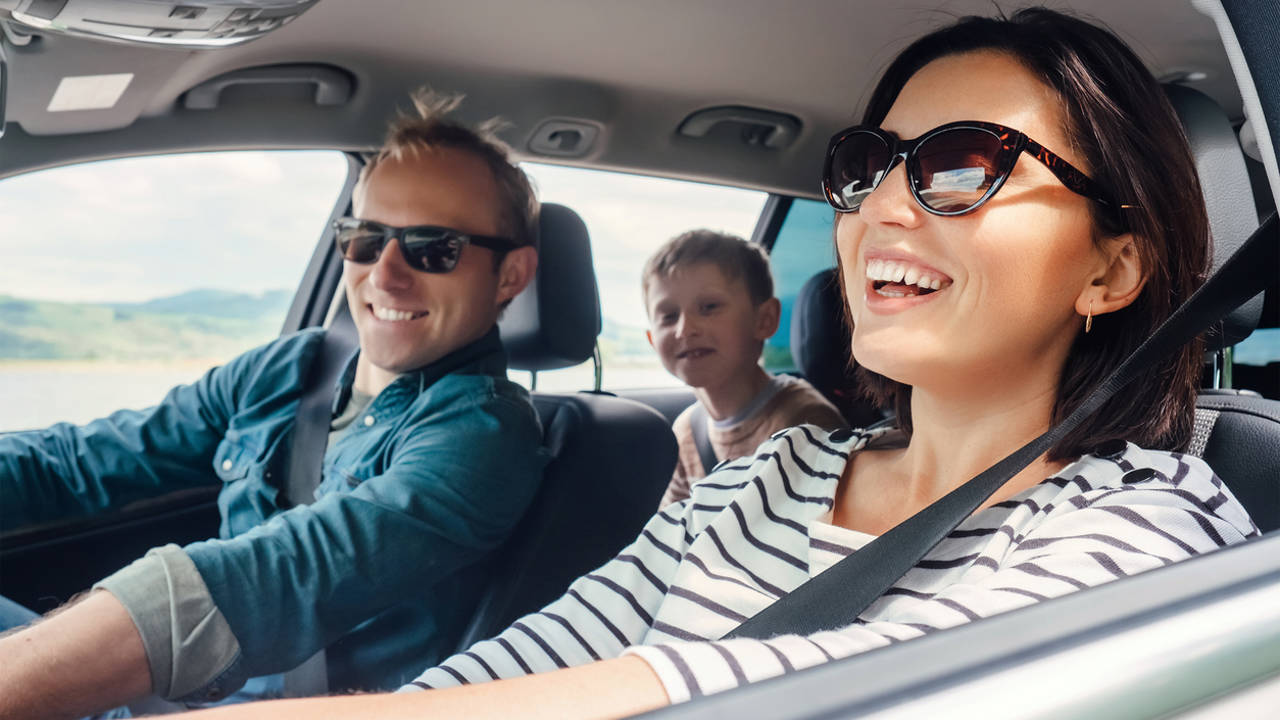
column 881, row 272
column 391, row 315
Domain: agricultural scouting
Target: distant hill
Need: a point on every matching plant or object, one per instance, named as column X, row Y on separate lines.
column 216, row 303
column 199, row 324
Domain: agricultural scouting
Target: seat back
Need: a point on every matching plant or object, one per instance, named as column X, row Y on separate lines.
column 1237, row 432
column 1238, row 435
column 611, row 459
column 820, row 347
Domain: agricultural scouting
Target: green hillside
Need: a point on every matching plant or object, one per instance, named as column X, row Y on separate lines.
column 195, row 325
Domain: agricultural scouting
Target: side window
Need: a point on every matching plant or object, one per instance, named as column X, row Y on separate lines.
column 628, row 217
column 123, row 278
column 803, row 248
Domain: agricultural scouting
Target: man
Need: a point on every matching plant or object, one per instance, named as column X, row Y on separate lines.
column 433, row 456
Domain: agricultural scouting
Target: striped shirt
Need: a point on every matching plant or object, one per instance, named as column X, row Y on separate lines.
column 753, row 530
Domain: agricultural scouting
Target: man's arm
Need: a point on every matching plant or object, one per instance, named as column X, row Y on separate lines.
column 68, row 471
column 455, row 487
column 83, row 659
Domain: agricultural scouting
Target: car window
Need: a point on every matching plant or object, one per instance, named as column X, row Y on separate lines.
column 1262, row 347
column 628, row 217
column 802, row 249
column 125, row 277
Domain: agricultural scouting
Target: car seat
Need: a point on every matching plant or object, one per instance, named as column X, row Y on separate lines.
column 1237, row 432
column 820, row 348
column 611, row 458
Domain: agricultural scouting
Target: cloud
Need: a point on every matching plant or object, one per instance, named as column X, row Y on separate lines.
column 138, row 228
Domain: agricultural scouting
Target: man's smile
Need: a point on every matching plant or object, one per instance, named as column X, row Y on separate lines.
column 387, row 314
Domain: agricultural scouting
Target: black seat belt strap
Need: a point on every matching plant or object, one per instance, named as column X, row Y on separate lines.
column 312, row 421
column 701, row 440
column 313, row 418
column 836, row 597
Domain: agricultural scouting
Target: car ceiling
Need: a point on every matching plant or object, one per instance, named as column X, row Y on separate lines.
column 635, row 69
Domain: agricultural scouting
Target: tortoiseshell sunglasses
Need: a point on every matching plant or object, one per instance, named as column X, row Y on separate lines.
column 951, row 170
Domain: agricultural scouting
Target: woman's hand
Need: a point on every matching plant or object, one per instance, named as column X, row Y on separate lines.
column 609, row 689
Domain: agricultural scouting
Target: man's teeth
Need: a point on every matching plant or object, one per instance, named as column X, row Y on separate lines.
column 392, row 315
column 891, row 271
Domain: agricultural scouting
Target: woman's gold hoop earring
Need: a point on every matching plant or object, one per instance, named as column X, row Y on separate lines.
column 1088, row 321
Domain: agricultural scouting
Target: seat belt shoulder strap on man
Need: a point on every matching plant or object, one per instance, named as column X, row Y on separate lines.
column 306, row 462
column 836, row 597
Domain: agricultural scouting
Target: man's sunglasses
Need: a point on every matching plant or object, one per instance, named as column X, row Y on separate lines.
column 427, row 248
column 951, row 170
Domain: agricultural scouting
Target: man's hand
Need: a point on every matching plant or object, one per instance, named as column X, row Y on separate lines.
column 85, row 658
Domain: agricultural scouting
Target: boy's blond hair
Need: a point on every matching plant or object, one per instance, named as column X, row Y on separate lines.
column 428, row 128
column 735, row 257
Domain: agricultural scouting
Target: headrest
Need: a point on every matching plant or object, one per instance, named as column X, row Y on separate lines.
column 555, row 321
column 1228, row 195
column 820, row 347
column 819, row 340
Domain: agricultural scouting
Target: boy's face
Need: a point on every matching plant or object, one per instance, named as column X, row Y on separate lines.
column 705, row 327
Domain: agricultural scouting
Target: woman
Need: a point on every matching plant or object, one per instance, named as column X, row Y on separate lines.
column 1017, row 211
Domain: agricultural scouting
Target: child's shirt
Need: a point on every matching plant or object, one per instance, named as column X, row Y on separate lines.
column 785, row 402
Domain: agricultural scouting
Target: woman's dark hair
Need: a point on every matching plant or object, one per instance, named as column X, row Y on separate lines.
column 1120, row 122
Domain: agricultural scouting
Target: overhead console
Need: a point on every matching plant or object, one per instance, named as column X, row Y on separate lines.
column 193, row 24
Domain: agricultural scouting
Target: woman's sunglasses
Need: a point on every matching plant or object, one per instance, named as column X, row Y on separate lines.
column 952, row 169
column 427, row 248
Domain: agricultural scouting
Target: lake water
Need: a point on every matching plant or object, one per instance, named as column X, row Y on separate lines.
column 36, row 395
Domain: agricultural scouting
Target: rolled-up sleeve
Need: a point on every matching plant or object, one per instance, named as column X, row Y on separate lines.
column 183, row 634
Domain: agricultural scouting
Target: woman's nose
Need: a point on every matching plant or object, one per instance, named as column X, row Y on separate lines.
column 390, row 271
column 891, row 202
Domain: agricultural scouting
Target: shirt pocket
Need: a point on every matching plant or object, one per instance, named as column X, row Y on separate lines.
column 341, row 477
column 236, row 457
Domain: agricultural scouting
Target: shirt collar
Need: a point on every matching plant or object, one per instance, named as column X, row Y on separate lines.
column 485, row 356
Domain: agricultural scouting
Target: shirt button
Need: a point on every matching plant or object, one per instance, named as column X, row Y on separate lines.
column 226, row 464
column 1139, row 475
column 1111, row 449
column 368, row 421
column 841, row 435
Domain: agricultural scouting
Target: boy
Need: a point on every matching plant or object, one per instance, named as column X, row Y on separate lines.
column 709, row 297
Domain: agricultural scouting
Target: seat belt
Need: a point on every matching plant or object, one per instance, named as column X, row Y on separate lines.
column 315, row 413
column 701, row 440
column 306, row 462
column 837, row 596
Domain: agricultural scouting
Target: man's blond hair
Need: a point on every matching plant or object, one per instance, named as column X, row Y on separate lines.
column 428, row 127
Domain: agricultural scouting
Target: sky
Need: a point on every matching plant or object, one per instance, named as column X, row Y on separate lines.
column 134, row 229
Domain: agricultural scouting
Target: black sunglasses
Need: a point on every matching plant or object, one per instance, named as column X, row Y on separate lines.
column 427, row 248
column 952, row 169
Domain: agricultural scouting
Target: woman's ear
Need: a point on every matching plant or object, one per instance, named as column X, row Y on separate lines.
column 1119, row 280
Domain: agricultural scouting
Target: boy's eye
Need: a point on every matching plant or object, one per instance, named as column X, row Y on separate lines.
column 708, row 307
column 667, row 318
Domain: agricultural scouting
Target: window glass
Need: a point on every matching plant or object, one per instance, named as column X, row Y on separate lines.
column 803, row 248
column 628, row 217
column 1262, row 347
column 123, row 278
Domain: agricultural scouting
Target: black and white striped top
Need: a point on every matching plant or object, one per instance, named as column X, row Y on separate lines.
column 751, row 532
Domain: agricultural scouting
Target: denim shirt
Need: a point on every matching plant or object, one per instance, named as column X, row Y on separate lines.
column 384, row 567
